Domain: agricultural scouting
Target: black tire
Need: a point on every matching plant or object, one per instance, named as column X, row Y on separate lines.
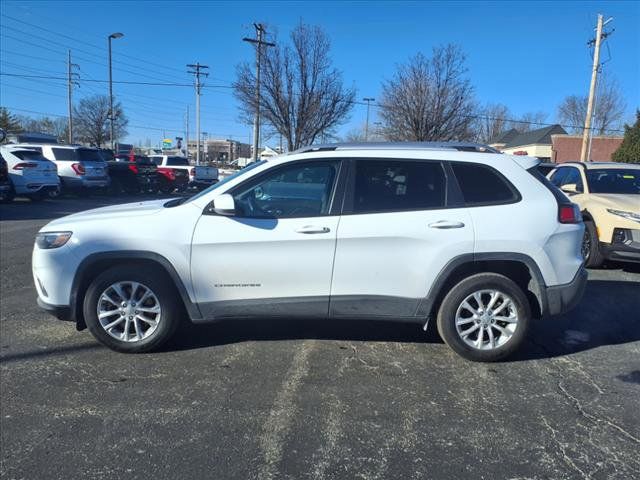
column 9, row 195
column 452, row 301
column 165, row 187
column 154, row 279
column 116, row 187
column 593, row 258
column 38, row 197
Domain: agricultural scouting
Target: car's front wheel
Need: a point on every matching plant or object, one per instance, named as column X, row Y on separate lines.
column 484, row 318
column 131, row 309
column 591, row 246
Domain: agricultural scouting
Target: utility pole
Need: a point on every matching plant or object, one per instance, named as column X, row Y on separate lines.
column 596, row 42
column 71, row 76
column 366, row 125
column 259, row 42
column 111, row 37
column 187, row 132
column 196, row 69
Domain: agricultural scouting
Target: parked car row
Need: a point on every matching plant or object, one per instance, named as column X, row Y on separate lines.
column 38, row 171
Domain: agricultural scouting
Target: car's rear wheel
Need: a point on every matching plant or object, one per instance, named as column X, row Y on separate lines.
column 131, row 309
column 591, row 246
column 484, row 318
column 8, row 195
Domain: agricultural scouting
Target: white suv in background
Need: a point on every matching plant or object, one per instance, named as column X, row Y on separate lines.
column 480, row 242
column 79, row 168
column 30, row 174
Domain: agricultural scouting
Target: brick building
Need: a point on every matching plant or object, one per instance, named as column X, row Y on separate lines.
column 566, row 148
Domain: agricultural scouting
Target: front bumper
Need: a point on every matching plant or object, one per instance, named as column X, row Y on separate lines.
column 61, row 312
column 563, row 298
column 625, row 246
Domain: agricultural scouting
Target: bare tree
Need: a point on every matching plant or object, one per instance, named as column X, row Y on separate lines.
column 302, row 95
column 492, row 121
column 58, row 127
column 429, row 98
column 357, row 134
column 91, row 116
column 529, row 121
column 609, row 109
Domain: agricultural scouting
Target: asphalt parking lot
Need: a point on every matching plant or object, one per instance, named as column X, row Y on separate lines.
column 308, row 399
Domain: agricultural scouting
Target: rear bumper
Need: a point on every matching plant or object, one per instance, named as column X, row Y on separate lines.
column 85, row 182
column 563, row 298
column 61, row 312
column 202, row 183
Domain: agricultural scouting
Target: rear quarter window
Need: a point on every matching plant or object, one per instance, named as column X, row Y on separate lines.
column 64, row 154
column 483, row 185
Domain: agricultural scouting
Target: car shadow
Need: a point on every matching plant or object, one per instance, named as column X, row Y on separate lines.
column 607, row 315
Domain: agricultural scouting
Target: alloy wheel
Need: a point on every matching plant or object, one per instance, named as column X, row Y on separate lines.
column 486, row 319
column 586, row 245
column 129, row 311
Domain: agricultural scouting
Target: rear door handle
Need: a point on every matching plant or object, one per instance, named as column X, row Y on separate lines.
column 311, row 229
column 445, row 224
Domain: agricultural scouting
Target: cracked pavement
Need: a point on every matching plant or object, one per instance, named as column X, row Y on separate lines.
column 308, row 399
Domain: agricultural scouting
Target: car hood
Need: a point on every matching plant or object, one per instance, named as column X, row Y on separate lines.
column 627, row 203
column 127, row 210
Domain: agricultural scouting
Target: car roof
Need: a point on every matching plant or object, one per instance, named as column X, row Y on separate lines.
column 596, row 165
column 54, row 145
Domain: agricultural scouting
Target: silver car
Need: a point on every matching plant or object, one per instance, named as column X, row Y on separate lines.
column 78, row 167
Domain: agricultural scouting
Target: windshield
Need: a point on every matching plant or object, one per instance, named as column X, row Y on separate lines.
column 614, row 180
column 225, row 180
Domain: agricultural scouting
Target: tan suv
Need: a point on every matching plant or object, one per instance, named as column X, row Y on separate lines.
column 609, row 197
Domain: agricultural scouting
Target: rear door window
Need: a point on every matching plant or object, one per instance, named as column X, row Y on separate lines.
column 398, row 185
column 483, row 185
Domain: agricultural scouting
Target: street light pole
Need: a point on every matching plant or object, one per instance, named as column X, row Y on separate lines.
column 366, row 126
column 111, row 37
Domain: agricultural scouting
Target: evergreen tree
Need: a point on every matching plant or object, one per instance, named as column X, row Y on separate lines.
column 9, row 122
column 629, row 150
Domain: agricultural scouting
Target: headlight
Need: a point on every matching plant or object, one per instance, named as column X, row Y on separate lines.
column 46, row 240
column 628, row 215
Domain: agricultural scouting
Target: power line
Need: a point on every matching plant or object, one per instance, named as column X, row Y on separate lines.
column 163, row 67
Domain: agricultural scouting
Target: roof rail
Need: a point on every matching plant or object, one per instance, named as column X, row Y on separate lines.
column 456, row 146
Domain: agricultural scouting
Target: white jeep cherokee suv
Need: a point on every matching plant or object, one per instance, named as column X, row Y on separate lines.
column 481, row 242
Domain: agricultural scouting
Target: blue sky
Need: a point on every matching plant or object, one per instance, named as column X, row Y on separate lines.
column 527, row 55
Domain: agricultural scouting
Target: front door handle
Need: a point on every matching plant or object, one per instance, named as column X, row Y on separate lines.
column 445, row 224
column 311, row 229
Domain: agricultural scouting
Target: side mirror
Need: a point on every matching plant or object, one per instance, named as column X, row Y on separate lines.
column 570, row 188
column 224, row 205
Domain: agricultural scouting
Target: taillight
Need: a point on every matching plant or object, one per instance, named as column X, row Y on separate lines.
column 133, row 168
column 78, row 168
column 569, row 213
column 23, row 165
